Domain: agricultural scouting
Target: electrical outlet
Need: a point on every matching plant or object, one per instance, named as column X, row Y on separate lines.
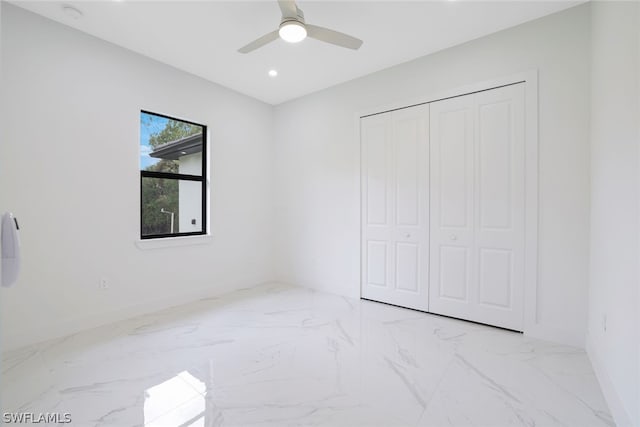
column 604, row 323
column 104, row 283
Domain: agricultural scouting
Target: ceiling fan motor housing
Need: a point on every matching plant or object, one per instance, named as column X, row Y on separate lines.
column 294, row 29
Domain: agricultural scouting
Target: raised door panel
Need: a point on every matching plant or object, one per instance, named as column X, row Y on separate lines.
column 376, row 172
column 452, row 155
column 408, row 267
column 496, row 278
column 454, row 273
column 407, row 146
column 495, row 172
column 376, row 263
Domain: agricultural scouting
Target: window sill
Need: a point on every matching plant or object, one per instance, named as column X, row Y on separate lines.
column 171, row 242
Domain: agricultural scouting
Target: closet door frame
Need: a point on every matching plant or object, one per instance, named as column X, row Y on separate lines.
column 530, row 80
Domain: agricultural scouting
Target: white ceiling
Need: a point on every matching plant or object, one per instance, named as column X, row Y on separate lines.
column 202, row 37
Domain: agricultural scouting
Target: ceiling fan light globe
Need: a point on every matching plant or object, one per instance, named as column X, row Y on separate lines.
column 292, row 32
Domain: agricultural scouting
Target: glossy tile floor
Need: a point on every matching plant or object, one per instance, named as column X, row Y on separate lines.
column 278, row 355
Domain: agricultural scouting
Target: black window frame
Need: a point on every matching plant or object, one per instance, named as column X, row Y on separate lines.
column 180, row 177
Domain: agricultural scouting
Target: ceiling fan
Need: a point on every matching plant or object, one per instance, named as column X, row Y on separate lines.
column 294, row 29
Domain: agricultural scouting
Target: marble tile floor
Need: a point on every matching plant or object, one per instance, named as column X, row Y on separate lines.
column 278, row 355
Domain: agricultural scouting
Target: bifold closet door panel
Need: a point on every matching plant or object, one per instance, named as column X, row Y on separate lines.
column 395, row 207
column 452, row 241
column 375, row 135
column 478, row 210
column 500, row 202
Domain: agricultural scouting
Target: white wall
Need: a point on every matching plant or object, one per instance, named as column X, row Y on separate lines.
column 317, row 161
column 1, row 163
column 69, row 171
column 615, row 213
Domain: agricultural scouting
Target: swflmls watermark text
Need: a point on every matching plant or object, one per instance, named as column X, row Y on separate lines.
column 36, row 418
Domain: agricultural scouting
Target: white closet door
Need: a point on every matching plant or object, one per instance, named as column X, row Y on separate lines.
column 395, row 209
column 477, row 207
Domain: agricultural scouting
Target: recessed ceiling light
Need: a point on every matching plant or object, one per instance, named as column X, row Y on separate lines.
column 273, row 73
column 292, row 31
column 71, row 11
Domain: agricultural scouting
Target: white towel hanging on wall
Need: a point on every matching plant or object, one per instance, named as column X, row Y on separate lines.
column 10, row 249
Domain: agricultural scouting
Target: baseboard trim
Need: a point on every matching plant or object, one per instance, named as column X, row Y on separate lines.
column 11, row 342
column 561, row 336
column 621, row 417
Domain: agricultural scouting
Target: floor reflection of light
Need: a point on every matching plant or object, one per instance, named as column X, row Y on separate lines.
column 178, row 401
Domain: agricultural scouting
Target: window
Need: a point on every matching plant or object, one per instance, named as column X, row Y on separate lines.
column 173, row 190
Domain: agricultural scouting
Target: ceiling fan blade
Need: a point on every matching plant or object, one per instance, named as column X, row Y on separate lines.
column 288, row 8
column 267, row 38
column 334, row 37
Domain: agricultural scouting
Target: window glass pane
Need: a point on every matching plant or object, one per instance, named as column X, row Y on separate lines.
column 169, row 145
column 171, row 206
